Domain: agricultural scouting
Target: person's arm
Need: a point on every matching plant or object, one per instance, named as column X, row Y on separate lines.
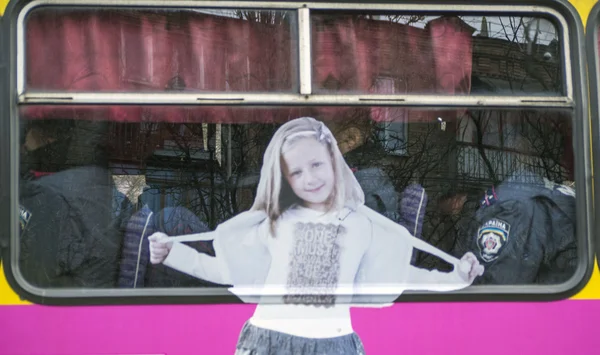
column 189, row 261
column 381, row 276
column 241, row 257
column 509, row 242
column 385, row 270
column 561, row 258
column 186, row 259
column 434, row 280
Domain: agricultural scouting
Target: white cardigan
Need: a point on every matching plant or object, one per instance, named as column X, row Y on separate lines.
column 243, row 261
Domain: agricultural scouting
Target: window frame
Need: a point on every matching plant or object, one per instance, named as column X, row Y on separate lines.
column 13, row 95
column 593, row 62
column 388, row 128
column 305, row 95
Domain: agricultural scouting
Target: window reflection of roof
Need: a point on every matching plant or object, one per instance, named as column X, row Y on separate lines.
column 499, row 27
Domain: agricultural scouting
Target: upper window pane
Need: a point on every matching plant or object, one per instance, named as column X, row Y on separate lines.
column 454, row 55
column 161, row 50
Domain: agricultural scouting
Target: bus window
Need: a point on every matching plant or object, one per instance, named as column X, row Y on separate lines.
column 177, row 152
column 205, row 50
column 472, row 55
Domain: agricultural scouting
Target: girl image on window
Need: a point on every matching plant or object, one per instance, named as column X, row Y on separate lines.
column 308, row 250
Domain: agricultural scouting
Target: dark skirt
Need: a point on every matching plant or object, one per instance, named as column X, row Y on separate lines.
column 259, row 341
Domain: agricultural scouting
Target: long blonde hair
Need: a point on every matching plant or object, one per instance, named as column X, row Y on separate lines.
column 275, row 196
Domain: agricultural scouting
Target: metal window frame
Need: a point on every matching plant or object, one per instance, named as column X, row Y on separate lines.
column 593, row 61
column 304, row 56
column 575, row 99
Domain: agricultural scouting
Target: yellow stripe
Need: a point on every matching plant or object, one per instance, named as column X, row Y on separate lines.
column 7, row 295
column 583, row 8
column 591, row 291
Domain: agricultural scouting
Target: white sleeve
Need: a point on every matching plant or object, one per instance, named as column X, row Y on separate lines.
column 434, row 280
column 241, row 258
column 187, row 260
column 385, row 271
column 381, row 276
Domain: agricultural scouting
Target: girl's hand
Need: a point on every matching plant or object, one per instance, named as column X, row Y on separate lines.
column 159, row 247
column 469, row 267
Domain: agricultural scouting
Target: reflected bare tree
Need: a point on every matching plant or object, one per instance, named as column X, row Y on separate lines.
column 264, row 17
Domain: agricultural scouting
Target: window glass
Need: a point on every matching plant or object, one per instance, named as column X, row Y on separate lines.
column 482, row 180
column 395, row 53
column 161, row 50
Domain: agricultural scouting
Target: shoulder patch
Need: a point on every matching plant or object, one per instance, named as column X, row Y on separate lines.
column 24, row 217
column 492, row 238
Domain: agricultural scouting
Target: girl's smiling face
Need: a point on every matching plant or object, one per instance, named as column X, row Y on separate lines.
column 308, row 169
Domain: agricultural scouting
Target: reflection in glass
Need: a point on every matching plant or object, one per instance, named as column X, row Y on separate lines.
column 162, row 50
column 494, row 182
column 461, row 55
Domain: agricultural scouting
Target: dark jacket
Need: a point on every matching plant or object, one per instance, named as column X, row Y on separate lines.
column 69, row 237
column 135, row 267
column 135, row 252
column 524, row 233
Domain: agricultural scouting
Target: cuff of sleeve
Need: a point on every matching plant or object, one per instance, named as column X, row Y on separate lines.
column 456, row 282
column 181, row 258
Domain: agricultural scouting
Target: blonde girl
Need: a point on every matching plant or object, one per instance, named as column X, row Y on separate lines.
column 307, row 250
